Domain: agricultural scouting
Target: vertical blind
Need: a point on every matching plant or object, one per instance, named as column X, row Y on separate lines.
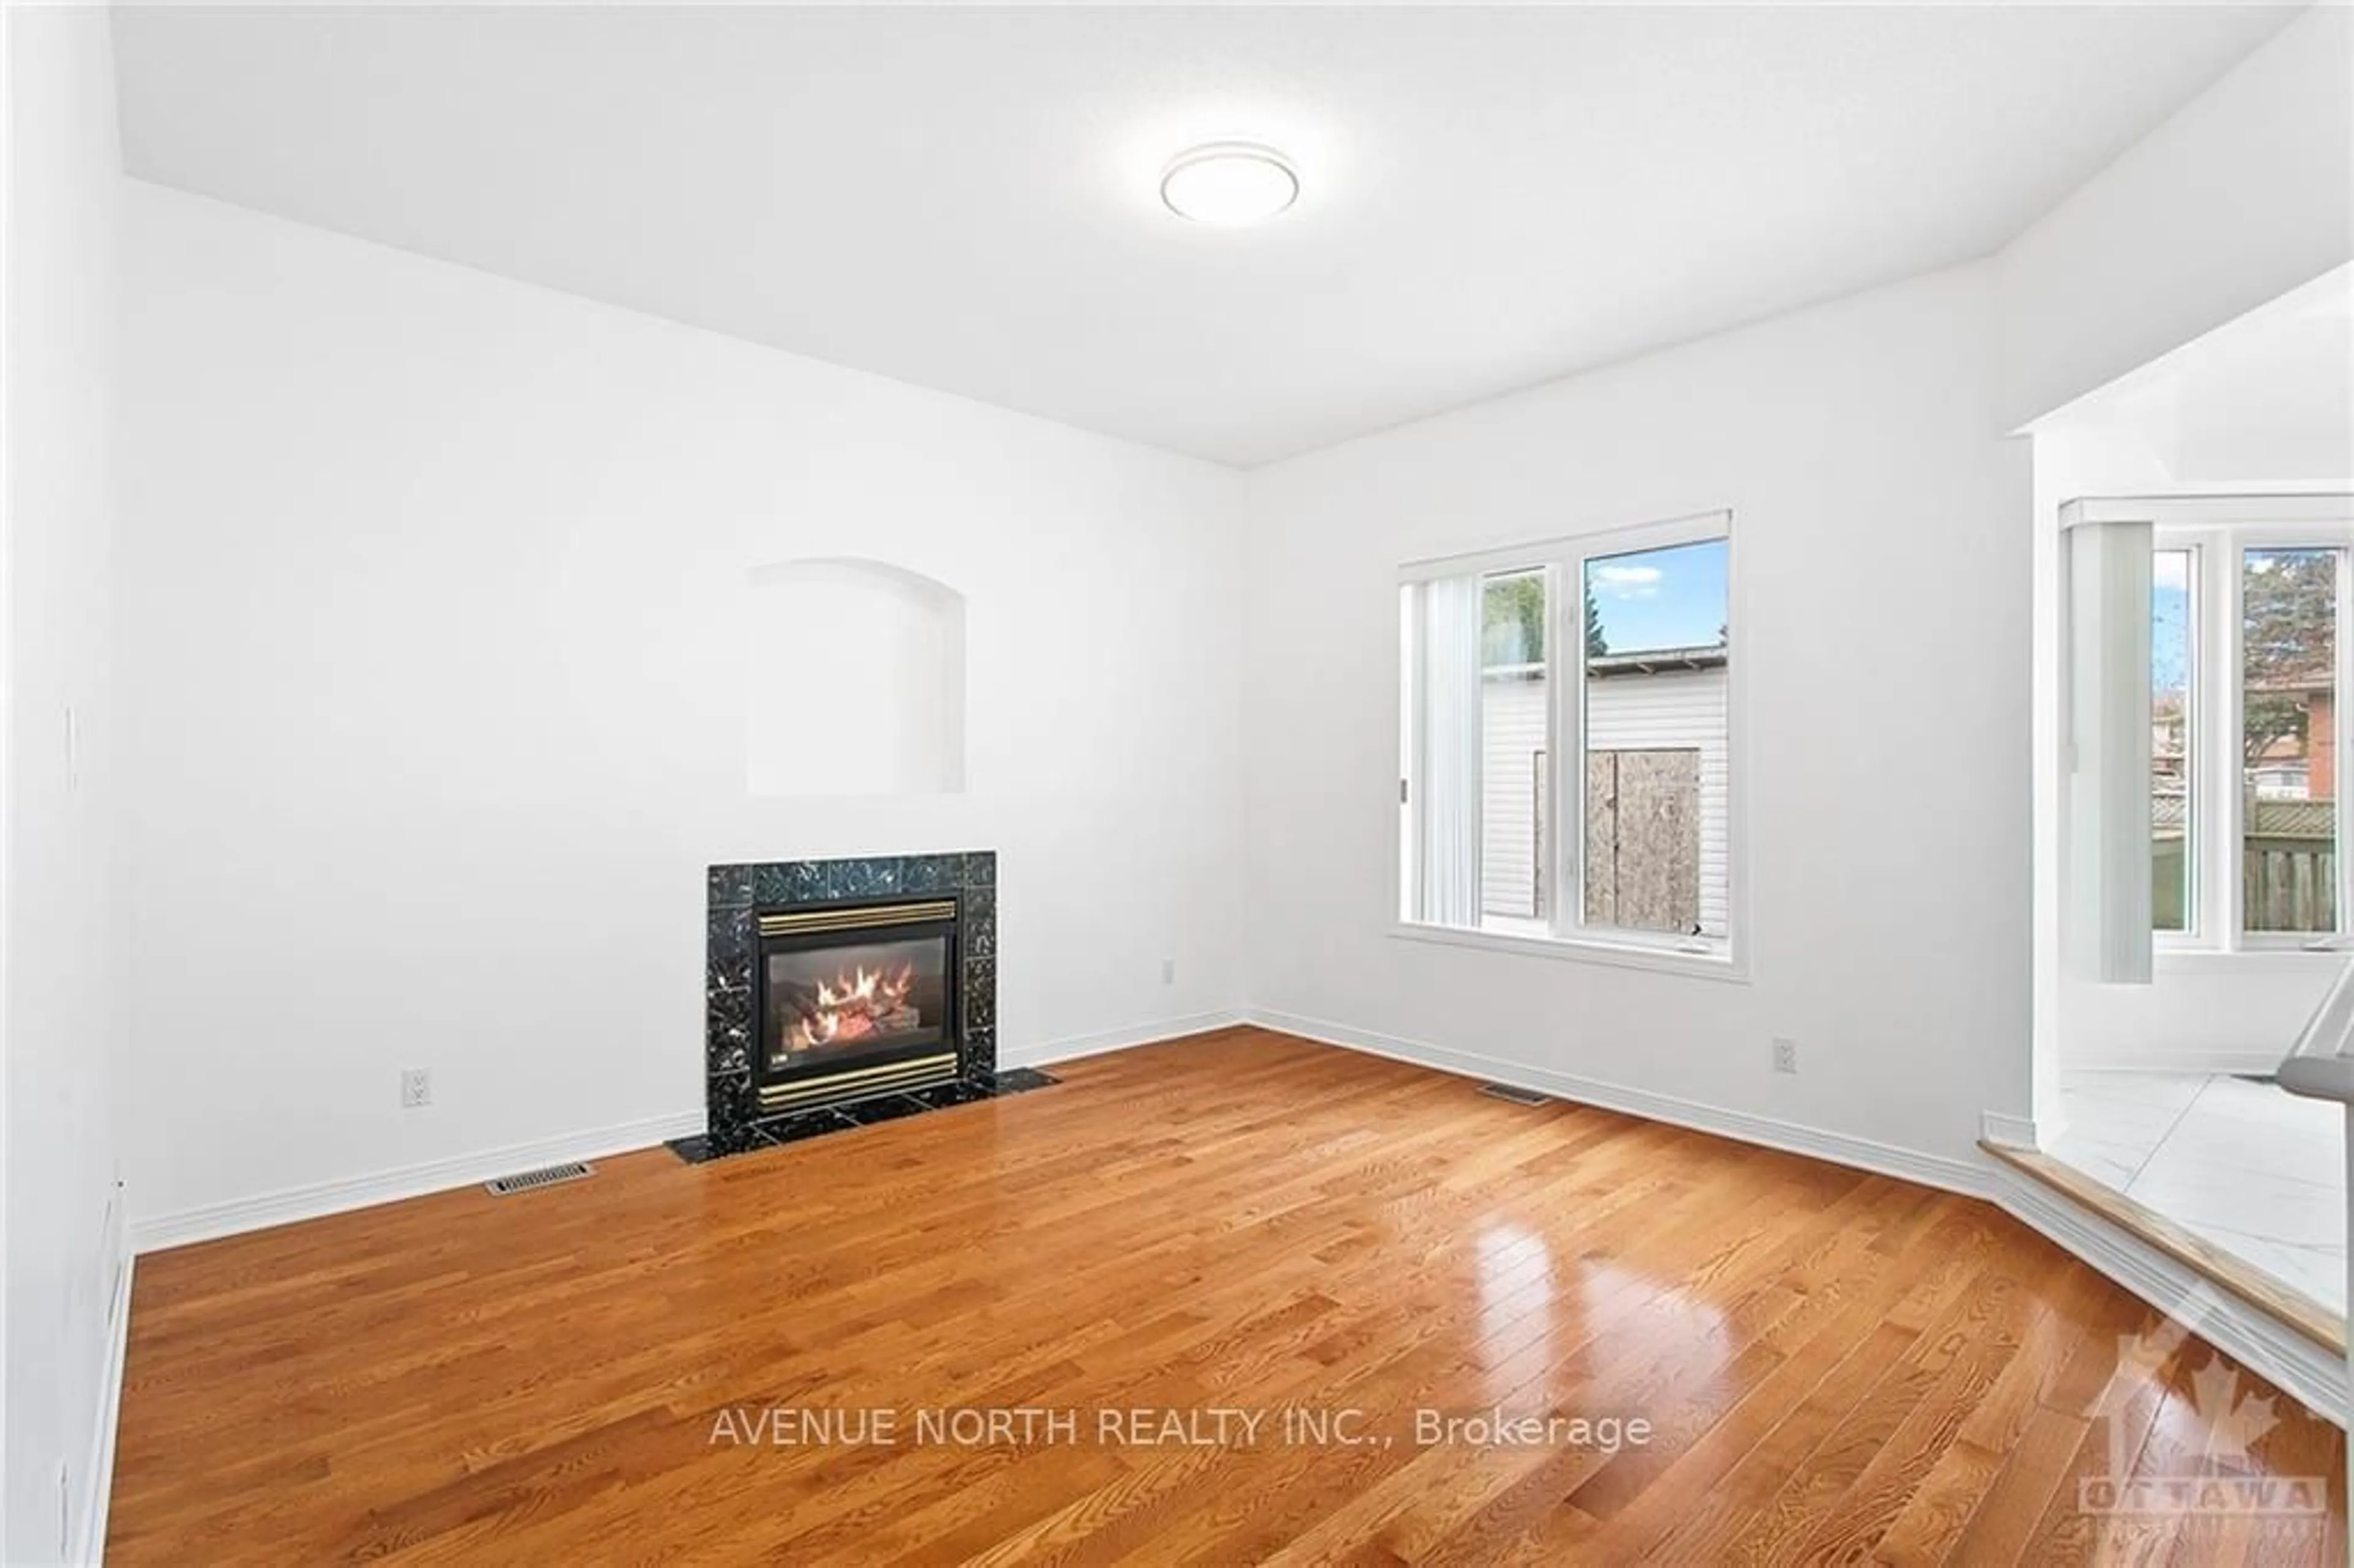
column 2109, row 749
column 1446, row 871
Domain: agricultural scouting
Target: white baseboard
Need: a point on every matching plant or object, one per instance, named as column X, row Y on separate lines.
column 310, row 1203
column 314, row 1202
column 2254, row 1063
column 1968, row 1176
column 2247, row 1334
column 97, row 1473
column 2018, row 1131
column 1064, row 1050
column 2253, row 1338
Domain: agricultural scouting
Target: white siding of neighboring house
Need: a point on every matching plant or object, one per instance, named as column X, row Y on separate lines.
column 1512, row 731
column 1625, row 712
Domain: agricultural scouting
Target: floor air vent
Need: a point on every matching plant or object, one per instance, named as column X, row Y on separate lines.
column 546, row 1176
column 1517, row 1097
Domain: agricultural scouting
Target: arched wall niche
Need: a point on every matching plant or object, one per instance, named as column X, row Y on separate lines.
column 855, row 683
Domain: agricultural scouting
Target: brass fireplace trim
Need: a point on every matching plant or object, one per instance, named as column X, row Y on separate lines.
column 919, row 1072
column 851, row 917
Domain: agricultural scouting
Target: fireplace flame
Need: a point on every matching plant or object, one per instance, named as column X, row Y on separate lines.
column 854, row 1004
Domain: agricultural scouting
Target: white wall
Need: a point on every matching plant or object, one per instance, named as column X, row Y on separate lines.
column 2203, row 1013
column 2244, row 193
column 1881, row 549
column 899, row 728
column 433, row 586
column 62, row 1021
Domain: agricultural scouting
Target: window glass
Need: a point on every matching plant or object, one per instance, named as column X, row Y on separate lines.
column 2288, row 643
column 1657, row 646
column 1563, row 729
column 2172, row 857
column 1514, row 709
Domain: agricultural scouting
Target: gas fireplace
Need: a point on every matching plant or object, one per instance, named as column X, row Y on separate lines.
column 855, row 999
column 843, row 992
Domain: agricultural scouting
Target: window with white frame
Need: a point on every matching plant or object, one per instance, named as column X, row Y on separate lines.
column 2248, row 660
column 1614, row 652
column 2173, row 737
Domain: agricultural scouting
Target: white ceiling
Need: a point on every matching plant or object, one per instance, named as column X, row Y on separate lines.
column 2268, row 397
column 966, row 198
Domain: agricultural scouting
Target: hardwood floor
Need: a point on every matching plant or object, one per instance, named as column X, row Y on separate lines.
column 1835, row 1366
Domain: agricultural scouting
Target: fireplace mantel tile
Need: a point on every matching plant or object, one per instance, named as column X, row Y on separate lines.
column 979, row 923
column 929, row 873
column 728, row 887
column 875, row 877
column 980, row 995
column 787, row 881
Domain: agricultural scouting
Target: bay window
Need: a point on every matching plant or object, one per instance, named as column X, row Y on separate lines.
column 2248, row 657
column 1566, row 722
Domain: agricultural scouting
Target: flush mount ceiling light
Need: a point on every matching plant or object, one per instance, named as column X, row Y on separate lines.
column 1229, row 183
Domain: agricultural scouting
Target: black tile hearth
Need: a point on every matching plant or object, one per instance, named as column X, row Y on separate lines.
column 1021, row 1080
column 805, row 1124
column 883, row 1107
column 960, row 1092
column 739, row 1140
column 749, row 1135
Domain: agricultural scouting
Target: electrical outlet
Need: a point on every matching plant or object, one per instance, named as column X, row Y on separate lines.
column 1785, row 1055
column 416, row 1088
column 1168, row 971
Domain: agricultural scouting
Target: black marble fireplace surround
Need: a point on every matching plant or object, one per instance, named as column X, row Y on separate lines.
column 737, row 895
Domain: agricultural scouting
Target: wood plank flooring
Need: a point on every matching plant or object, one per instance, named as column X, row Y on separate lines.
column 1836, row 1367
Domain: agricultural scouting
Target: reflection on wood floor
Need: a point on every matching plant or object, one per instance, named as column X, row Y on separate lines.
column 1834, row 1366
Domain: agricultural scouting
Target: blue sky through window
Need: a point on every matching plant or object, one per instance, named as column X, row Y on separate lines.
column 1671, row 598
column 2169, row 621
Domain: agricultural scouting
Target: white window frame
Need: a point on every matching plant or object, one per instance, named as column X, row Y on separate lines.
column 2220, row 531
column 1565, row 933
